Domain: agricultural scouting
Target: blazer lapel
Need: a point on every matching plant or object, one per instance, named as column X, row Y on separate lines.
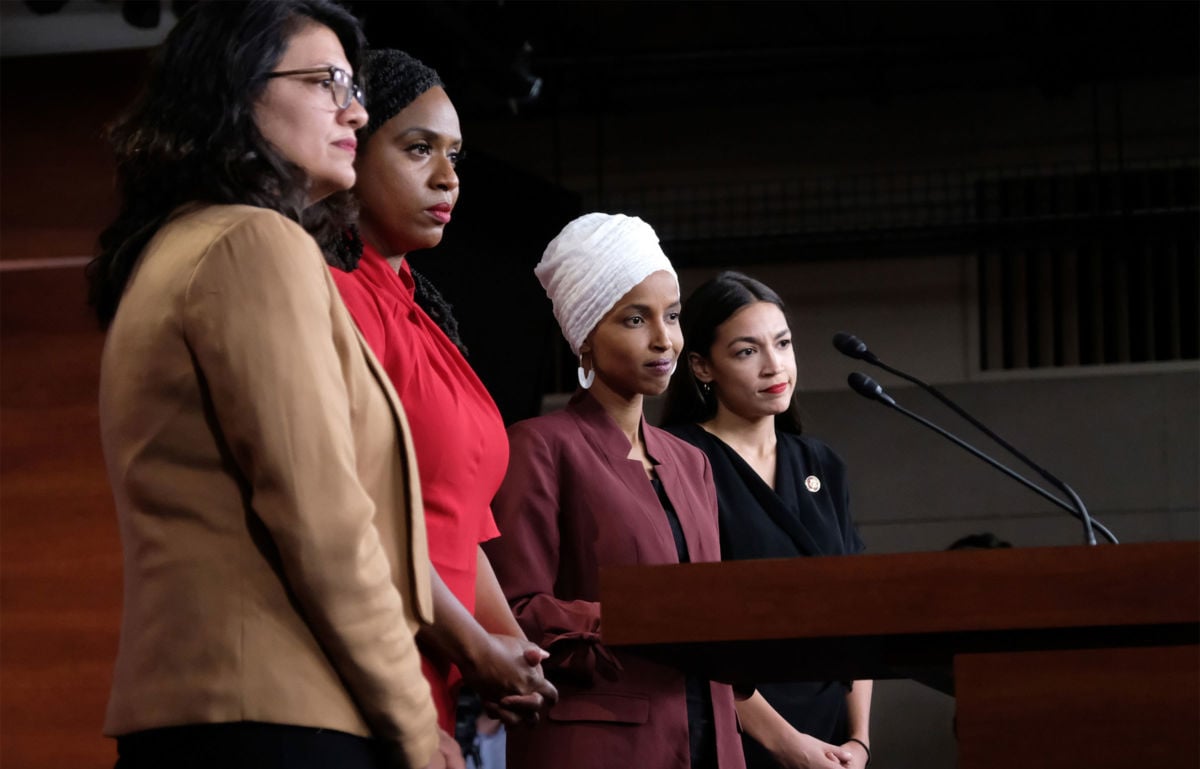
column 698, row 545
column 768, row 499
column 610, row 443
column 418, row 578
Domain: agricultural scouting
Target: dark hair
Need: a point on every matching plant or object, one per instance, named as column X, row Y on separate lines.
column 394, row 80
column 191, row 136
column 709, row 306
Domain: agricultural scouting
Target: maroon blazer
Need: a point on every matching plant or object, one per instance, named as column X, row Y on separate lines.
column 570, row 504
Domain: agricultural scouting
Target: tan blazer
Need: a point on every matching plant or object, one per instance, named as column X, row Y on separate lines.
column 276, row 564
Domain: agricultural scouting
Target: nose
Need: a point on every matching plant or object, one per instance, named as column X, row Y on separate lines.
column 444, row 177
column 660, row 339
column 773, row 361
column 354, row 116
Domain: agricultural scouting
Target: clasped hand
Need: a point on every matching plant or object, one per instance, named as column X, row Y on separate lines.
column 507, row 675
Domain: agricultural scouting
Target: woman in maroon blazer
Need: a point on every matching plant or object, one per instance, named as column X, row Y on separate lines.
column 594, row 485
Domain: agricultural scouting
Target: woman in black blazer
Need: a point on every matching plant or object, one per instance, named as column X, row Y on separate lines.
column 780, row 494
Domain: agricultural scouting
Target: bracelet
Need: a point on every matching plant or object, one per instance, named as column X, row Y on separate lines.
column 865, row 747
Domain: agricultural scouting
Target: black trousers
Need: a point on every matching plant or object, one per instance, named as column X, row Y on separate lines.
column 246, row 745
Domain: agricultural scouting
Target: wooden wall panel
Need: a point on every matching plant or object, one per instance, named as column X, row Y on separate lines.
column 60, row 557
column 1132, row 707
column 60, row 564
column 56, row 164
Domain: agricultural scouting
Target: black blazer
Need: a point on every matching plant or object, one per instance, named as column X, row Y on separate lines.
column 806, row 514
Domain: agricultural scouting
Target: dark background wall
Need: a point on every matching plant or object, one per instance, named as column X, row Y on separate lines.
column 776, row 132
column 999, row 197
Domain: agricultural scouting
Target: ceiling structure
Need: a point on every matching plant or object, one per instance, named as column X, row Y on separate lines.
column 609, row 55
column 531, row 55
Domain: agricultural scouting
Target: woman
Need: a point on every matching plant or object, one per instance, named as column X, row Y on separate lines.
column 407, row 188
column 780, row 494
column 275, row 562
column 594, row 485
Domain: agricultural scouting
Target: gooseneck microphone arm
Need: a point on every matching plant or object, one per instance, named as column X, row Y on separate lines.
column 870, row 389
column 853, row 347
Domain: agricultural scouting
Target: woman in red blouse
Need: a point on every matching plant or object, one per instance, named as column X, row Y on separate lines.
column 407, row 188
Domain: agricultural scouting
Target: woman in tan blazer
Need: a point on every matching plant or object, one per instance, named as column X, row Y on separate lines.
column 274, row 544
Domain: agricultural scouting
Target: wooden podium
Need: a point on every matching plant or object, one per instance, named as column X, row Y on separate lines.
column 1060, row 657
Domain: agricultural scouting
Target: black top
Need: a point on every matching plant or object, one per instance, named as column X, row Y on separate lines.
column 806, row 514
column 701, row 733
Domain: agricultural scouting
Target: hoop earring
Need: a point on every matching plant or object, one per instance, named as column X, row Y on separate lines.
column 585, row 379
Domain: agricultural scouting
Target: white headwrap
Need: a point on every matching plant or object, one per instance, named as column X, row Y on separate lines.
column 592, row 263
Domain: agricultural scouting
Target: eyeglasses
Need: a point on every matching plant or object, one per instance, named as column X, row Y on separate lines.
column 341, row 85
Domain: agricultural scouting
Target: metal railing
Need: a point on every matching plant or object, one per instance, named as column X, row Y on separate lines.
column 890, row 202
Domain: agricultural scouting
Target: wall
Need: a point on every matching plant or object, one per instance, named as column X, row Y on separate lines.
column 709, row 142
column 1124, row 438
column 60, row 562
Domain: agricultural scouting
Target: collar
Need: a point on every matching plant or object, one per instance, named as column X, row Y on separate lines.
column 377, row 261
column 605, row 433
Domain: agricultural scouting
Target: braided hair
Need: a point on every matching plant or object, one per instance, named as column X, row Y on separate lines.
column 394, row 79
column 438, row 309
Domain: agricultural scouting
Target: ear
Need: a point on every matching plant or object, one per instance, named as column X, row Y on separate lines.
column 585, row 347
column 700, row 367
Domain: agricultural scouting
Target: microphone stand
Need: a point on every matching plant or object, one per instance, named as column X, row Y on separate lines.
column 869, row 388
column 855, row 348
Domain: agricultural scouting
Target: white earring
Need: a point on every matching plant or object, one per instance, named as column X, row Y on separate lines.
column 585, row 379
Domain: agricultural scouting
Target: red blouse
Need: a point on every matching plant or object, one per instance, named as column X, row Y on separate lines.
column 458, row 433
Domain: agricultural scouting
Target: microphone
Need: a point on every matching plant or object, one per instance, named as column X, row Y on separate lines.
column 853, row 347
column 872, row 390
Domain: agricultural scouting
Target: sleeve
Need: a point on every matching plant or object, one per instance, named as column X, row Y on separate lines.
column 258, row 320
column 526, row 561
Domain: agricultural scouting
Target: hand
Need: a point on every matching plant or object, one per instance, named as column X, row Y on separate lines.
column 516, row 709
column 448, row 755
column 507, row 674
column 857, row 756
column 802, row 751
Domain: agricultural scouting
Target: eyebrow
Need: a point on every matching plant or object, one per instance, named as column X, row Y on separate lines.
column 428, row 132
column 755, row 340
column 645, row 308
